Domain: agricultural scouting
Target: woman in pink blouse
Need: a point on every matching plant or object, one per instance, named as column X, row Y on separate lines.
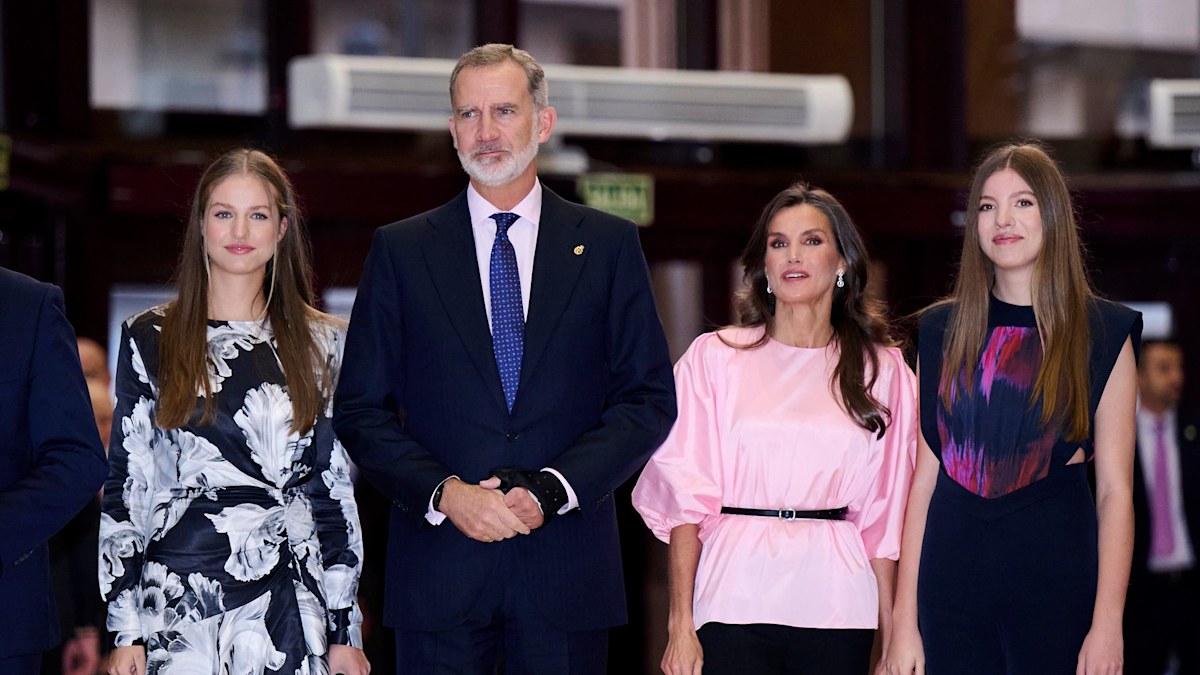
column 781, row 488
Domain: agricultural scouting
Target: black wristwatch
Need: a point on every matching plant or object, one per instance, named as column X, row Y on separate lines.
column 437, row 495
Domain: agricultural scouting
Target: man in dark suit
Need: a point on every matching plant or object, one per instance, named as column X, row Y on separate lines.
column 1163, row 609
column 505, row 370
column 51, row 460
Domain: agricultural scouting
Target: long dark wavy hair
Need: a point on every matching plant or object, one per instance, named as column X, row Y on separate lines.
column 860, row 326
column 287, row 288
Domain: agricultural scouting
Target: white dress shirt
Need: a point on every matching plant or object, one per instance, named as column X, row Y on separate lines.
column 523, row 236
column 1183, row 556
column 522, row 233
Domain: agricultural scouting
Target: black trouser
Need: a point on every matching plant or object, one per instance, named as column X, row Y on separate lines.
column 504, row 633
column 1007, row 585
column 1163, row 616
column 768, row 649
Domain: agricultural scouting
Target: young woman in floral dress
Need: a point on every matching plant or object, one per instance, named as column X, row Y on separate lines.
column 230, row 540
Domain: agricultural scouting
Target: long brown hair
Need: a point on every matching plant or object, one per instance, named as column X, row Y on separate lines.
column 1061, row 292
column 859, row 323
column 287, row 289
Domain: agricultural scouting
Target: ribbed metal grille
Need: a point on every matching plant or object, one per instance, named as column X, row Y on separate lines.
column 1185, row 113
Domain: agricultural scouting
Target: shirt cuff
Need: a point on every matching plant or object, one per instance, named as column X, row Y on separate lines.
column 572, row 500
column 432, row 515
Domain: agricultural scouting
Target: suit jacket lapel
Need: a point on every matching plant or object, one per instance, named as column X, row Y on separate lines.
column 450, row 257
column 556, row 266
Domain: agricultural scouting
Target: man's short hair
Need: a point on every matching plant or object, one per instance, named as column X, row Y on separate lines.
column 1168, row 341
column 494, row 54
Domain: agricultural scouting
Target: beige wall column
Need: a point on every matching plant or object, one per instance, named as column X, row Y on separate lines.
column 648, row 34
column 679, row 294
column 744, row 35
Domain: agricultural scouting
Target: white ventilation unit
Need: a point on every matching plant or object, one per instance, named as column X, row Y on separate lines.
column 1175, row 113
column 412, row 94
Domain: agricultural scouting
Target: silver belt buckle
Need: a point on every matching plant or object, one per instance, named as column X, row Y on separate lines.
column 787, row 514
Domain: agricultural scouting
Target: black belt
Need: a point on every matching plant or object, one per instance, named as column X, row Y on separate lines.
column 789, row 514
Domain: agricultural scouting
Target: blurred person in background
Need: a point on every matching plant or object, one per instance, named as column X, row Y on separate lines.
column 94, row 360
column 1162, row 613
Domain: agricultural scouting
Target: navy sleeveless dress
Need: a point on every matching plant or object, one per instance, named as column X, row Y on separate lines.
column 1009, row 561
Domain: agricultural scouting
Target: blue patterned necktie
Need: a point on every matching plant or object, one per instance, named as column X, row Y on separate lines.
column 508, row 316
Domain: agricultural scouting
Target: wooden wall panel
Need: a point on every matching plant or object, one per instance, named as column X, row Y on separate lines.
column 814, row 37
column 993, row 98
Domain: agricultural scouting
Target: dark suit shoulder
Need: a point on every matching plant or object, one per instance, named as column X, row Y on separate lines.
column 22, row 295
column 15, row 282
column 22, row 302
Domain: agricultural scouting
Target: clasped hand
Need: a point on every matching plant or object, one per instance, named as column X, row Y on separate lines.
column 484, row 513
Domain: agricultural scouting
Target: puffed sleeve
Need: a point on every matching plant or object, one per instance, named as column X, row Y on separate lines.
column 681, row 483
column 126, row 507
column 336, row 515
column 881, row 519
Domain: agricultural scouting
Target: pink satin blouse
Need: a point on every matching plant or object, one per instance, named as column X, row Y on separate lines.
column 759, row 428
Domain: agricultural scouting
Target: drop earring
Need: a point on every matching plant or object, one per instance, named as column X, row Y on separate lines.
column 841, row 278
column 204, row 256
column 274, row 263
column 769, row 291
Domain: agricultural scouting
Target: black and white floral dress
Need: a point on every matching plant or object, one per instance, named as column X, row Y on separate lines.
column 233, row 546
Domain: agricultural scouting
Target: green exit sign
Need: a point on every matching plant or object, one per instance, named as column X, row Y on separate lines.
column 628, row 195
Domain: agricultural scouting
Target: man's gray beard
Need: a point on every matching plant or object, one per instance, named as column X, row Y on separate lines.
column 503, row 171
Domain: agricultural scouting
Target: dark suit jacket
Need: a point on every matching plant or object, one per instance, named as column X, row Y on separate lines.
column 51, row 460
column 1188, row 438
column 420, row 399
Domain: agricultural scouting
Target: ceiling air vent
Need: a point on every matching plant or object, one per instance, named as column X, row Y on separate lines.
column 411, row 94
column 1175, row 113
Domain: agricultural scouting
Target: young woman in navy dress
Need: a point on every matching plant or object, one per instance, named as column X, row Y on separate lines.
column 1025, row 376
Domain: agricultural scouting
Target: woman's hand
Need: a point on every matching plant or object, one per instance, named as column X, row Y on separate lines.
column 1102, row 652
column 684, row 656
column 347, row 660
column 905, row 655
column 127, row 661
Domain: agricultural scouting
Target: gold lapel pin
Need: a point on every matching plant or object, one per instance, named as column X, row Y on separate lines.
column 579, row 250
